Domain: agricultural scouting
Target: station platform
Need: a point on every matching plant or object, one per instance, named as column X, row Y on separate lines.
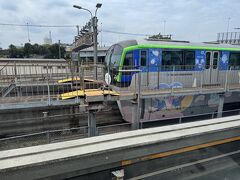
column 88, row 93
column 116, row 151
column 68, row 80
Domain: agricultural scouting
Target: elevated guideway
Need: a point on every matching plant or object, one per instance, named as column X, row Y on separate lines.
column 116, row 153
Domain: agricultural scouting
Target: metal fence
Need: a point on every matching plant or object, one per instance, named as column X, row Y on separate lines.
column 54, row 136
column 46, row 82
column 170, row 79
column 49, row 83
column 189, row 118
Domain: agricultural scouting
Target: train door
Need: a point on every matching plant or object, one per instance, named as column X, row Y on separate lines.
column 144, row 66
column 211, row 67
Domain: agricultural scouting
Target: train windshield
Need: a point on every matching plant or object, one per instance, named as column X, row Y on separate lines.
column 114, row 55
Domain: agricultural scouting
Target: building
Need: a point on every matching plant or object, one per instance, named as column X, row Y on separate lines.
column 18, row 66
column 86, row 55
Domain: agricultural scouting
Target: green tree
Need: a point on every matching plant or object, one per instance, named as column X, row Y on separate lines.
column 54, row 52
column 28, row 50
column 12, row 51
column 36, row 49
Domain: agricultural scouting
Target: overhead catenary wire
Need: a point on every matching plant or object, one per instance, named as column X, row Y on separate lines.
column 36, row 25
column 125, row 33
column 71, row 26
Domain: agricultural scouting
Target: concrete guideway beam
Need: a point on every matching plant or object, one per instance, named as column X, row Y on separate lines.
column 71, row 158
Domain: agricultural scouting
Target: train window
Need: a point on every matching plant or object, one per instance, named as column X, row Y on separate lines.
column 234, row 61
column 143, row 58
column 215, row 60
column 189, row 60
column 172, row 59
column 115, row 55
column 128, row 60
column 208, row 58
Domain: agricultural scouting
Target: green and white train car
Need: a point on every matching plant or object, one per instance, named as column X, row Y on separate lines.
column 191, row 64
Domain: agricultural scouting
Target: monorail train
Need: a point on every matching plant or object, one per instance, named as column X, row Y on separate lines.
column 174, row 64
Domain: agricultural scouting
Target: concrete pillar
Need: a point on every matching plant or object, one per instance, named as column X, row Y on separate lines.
column 45, row 120
column 19, row 91
column 45, row 114
column 220, row 105
column 119, row 175
column 135, row 116
column 92, row 127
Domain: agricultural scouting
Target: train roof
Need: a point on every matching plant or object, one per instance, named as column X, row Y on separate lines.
column 179, row 45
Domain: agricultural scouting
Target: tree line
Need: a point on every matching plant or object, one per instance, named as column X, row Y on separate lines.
column 34, row 51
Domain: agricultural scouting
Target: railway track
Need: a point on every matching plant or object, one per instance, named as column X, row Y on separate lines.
column 111, row 149
column 21, row 126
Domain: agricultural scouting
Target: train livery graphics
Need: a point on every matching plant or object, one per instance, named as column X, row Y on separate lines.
column 166, row 65
column 155, row 56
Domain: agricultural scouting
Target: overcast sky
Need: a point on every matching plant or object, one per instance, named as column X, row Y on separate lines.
column 194, row 20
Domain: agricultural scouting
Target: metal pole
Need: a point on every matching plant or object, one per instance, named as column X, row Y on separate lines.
column 59, row 50
column 138, row 100
column 94, row 24
column 164, row 27
column 78, row 30
column 173, row 74
column 48, row 88
column 101, row 35
column 228, row 24
column 28, row 33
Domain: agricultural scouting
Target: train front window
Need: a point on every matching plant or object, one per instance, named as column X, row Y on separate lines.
column 114, row 55
column 128, row 60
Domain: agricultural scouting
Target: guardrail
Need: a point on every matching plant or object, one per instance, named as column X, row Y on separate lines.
column 173, row 78
column 40, row 82
column 65, row 159
column 49, row 82
column 52, row 136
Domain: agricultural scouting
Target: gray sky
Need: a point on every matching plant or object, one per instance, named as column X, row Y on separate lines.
column 194, row 20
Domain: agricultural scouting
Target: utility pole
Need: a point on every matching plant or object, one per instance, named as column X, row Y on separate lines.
column 164, row 26
column 28, row 33
column 59, row 49
column 78, row 30
column 95, row 59
column 228, row 24
column 101, row 35
column 93, row 23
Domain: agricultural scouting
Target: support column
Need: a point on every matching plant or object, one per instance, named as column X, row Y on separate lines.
column 19, row 91
column 135, row 115
column 220, row 106
column 45, row 120
column 119, row 174
column 92, row 127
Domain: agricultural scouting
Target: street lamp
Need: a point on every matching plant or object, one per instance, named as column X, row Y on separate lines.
column 95, row 32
